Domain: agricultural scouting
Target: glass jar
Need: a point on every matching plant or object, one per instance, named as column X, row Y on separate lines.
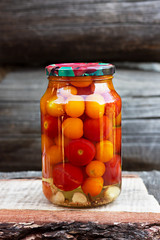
column 81, row 135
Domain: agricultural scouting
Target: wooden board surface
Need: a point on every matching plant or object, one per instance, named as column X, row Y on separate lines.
column 26, row 214
column 93, row 30
column 21, row 90
column 133, row 198
column 150, row 179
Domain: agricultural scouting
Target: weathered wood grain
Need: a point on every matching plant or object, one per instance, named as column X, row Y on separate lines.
column 79, row 230
column 21, row 90
column 46, row 31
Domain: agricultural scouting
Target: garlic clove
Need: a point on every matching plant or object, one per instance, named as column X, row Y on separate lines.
column 79, row 198
column 58, row 198
column 111, row 193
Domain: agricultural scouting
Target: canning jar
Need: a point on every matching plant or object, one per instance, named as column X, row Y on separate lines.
column 81, row 135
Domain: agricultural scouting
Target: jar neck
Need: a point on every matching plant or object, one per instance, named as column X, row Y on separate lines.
column 62, row 81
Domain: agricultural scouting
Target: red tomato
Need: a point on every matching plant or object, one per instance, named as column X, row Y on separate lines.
column 67, row 177
column 50, row 126
column 97, row 129
column 112, row 174
column 80, row 152
column 83, row 168
column 113, row 103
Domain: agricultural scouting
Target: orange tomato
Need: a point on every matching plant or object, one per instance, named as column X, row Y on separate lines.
column 81, row 81
column 104, row 151
column 72, row 128
column 47, row 190
column 75, row 106
column 44, row 99
column 95, row 169
column 46, row 142
column 54, row 154
column 55, row 106
column 92, row 186
column 95, row 106
column 67, row 91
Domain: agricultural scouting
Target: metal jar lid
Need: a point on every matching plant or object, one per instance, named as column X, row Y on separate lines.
column 80, row 69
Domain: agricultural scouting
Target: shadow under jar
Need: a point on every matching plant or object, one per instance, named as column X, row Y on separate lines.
column 81, row 135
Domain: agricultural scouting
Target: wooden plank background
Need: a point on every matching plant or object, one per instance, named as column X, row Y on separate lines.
column 20, row 92
column 41, row 32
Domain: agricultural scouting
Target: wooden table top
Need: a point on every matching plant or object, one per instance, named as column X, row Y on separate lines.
column 24, row 212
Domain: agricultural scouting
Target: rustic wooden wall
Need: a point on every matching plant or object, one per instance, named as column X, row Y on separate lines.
column 41, row 32
column 21, row 90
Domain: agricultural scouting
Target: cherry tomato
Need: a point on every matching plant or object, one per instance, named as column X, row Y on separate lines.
column 81, row 81
column 50, row 126
column 113, row 103
column 112, row 174
column 55, row 106
column 97, row 129
column 86, row 90
column 92, row 186
column 80, row 152
column 54, row 154
column 95, row 106
column 104, row 151
column 95, row 169
column 67, row 177
column 72, row 128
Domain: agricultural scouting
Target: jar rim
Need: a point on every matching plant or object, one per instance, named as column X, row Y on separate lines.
column 79, row 69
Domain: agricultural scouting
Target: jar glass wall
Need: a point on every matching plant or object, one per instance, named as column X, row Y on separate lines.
column 81, row 141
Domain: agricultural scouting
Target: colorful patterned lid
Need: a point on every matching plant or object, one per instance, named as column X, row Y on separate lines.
column 80, row 69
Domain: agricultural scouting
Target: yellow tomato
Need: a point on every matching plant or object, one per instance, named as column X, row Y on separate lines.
column 74, row 106
column 55, row 106
column 104, row 151
column 95, row 106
